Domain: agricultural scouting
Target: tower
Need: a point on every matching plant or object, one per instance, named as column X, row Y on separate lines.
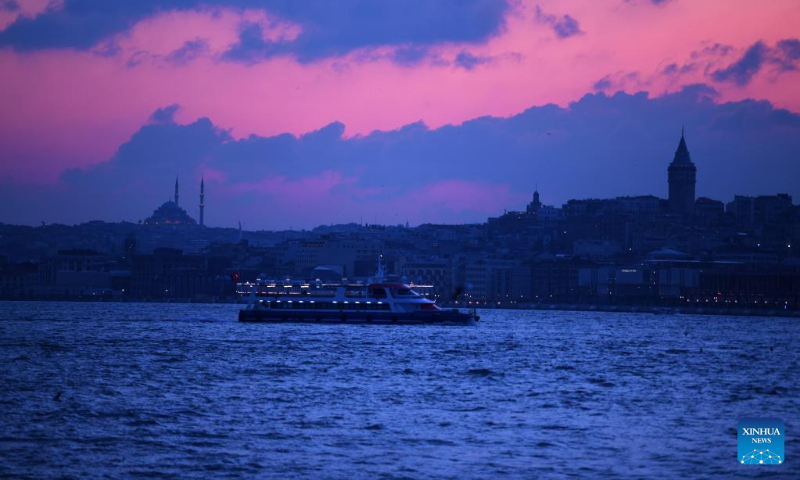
column 681, row 176
column 176, row 189
column 202, row 197
column 535, row 205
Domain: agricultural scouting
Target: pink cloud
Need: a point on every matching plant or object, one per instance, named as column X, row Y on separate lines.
column 26, row 8
column 64, row 109
column 160, row 35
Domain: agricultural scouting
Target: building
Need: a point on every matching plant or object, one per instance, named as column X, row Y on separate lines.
column 75, row 273
column 536, row 205
column 682, row 180
column 169, row 274
column 554, row 278
column 170, row 213
column 598, row 250
column 742, row 209
column 16, row 279
column 488, row 280
column 708, row 211
column 769, row 209
column 430, row 271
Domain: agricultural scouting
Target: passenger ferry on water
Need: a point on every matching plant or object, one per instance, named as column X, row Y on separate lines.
column 375, row 302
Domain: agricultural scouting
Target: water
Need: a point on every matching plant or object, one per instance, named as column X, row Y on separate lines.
column 151, row 390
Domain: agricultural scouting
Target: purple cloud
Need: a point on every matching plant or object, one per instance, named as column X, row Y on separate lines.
column 9, row 6
column 654, row 2
column 784, row 57
column 328, row 28
column 188, row 51
column 564, row 27
column 741, row 72
column 164, row 115
column 603, row 84
column 787, row 54
column 468, row 61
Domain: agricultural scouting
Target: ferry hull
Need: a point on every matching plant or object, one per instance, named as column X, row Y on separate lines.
column 441, row 317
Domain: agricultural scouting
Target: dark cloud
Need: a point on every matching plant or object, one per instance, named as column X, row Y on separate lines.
column 674, row 69
column 329, row 28
column 137, row 58
column 790, row 48
column 654, row 2
column 414, row 55
column 188, row 51
column 787, row 54
column 336, row 28
column 784, row 57
column 252, row 46
column 79, row 24
column 164, row 114
column 743, row 70
column 603, row 84
column 108, row 49
column 9, row 5
column 469, row 61
column 715, row 50
column 599, row 146
column 627, row 81
column 564, row 27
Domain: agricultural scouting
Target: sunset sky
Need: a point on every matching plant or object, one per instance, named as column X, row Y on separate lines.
column 300, row 113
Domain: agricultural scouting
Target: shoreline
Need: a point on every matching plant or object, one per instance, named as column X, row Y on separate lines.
column 570, row 307
column 664, row 310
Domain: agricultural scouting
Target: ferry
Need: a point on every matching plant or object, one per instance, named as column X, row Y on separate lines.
column 375, row 302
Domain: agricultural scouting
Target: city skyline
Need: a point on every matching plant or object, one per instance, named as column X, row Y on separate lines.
column 680, row 199
column 328, row 114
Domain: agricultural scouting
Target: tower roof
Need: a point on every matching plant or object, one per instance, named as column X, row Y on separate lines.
column 682, row 153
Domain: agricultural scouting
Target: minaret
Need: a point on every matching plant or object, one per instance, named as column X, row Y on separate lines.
column 202, row 197
column 682, row 177
column 176, row 189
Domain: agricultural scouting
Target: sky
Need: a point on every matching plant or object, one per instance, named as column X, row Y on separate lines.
column 298, row 114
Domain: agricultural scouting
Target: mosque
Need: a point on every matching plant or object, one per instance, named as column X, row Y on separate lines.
column 170, row 213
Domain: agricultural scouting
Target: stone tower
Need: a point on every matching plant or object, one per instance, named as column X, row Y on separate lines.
column 176, row 190
column 682, row 179
column 535, row 205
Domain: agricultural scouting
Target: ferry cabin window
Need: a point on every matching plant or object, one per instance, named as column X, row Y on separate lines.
column 378, row 293
column 404, row 292
column 329, row 306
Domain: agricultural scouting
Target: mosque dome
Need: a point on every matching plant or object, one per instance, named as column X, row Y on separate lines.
column 170, row 214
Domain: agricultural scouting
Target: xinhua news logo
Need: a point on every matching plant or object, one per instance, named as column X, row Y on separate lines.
column 761, row 441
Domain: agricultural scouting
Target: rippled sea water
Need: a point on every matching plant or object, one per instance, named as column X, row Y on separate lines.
column 175, row 390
